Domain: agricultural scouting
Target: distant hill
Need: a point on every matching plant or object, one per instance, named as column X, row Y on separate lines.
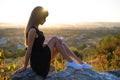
column 80, row 25
column 85, row 25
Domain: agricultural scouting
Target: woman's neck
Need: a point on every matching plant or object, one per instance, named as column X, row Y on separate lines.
column 36, row 25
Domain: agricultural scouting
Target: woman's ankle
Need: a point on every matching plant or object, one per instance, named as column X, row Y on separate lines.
column 70, row 61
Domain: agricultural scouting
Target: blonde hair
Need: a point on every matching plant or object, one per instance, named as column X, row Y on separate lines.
column 37, row 14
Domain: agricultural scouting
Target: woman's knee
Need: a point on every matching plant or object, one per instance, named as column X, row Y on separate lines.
column 53, row 42
column 55, row 39
column 58, row 39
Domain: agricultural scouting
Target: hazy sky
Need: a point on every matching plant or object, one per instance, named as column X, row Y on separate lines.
column 62, row 11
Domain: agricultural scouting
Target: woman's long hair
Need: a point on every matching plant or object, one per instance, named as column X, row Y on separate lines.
column 37, row 14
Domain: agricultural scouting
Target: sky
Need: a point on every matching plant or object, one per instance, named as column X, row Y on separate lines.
column 61, row 11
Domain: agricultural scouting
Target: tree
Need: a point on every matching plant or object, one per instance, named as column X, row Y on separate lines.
column 108, row 48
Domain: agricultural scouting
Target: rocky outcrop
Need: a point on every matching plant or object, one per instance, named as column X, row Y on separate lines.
column 69, row 74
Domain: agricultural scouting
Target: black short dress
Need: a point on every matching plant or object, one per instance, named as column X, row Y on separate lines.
column 40, row 56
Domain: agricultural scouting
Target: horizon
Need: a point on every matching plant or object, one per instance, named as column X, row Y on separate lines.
column 65, row 25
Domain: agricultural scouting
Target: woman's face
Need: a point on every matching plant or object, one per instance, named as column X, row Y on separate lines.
column 42, row 21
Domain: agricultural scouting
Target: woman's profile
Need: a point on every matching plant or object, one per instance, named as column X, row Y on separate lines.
column 40, row 54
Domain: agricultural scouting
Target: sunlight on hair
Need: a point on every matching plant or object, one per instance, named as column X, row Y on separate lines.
column 44, row 10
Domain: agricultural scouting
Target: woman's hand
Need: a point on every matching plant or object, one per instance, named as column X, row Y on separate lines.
column 21, row 70
column 44, row 45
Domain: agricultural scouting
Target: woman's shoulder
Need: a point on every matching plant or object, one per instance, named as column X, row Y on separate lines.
column 32, row 30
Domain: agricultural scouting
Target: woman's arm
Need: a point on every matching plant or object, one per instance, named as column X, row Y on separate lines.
column 31, row 37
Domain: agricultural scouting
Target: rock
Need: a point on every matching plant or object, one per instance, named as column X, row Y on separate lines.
column 69, row 74
column 28, row 74
column 115, row 72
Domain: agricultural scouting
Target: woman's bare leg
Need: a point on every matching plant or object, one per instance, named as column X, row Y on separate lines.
column 71, row 54
column 54, row 54
column 55, row 42
column 74, row 57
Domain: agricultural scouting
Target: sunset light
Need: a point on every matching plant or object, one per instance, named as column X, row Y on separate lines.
column 62, row 11
column 59, row 39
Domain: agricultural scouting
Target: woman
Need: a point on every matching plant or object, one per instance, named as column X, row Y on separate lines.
column 41, row 55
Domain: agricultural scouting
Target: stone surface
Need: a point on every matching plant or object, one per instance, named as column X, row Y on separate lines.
column 69, row 74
